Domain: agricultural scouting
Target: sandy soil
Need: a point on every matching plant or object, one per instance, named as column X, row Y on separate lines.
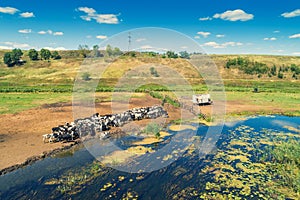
column 21, row 134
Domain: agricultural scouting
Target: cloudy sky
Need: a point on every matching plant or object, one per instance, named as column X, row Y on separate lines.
column 222, row 27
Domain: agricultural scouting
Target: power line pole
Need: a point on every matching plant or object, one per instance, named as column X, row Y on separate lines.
column 129, row 41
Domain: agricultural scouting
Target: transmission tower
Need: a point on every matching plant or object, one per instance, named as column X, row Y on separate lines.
column 129, row 40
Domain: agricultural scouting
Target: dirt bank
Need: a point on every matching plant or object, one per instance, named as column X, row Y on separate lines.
column 21, row 134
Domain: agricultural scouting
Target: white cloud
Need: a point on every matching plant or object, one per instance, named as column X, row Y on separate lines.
column 100, row 18
column 216, row 45
column 234, row 15
column 141, row 39
column 295, row 36
column 197, row 37
column 184, row 47
column 55, row 48
column 220, row 36
column 102, row 37
column 42, row 32
column 146, row 47
column 276, row 31
column 205, row 18
column 25, row 31
column 212, row 44
column 278, row 51
column 87, row 10
column 12, row 45
column 295, row 13
column 27, row 14
column 58, row 33
column 5, row 47
column 89, row 36
column 8, row 10
column 149, row 47
column 296, row 53
column 270, row 39
column 50, row 32
column 204, row 34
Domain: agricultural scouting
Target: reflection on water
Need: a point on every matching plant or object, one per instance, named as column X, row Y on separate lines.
column 233, row 169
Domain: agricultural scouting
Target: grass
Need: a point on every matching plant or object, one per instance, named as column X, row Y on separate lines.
column 39, row 82
column 16, row 102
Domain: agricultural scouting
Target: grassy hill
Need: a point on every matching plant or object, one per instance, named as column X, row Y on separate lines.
column 54, row 79
column 59, row 75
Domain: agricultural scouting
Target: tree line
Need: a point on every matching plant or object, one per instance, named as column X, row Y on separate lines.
column 259, row 68
column 13, row 57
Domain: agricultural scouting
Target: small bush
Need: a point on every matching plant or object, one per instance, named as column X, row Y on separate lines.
column 154, row 72
column 86, row 76
column 152, row 128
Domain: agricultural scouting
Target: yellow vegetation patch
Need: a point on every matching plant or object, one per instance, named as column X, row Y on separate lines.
column 148, row 140
column 266, row 142
column 121, row 178
column 181, row 127
column 251, row 169
column 106, row 186
column 242, row 158
column 167, row 157
column 139, row 150
column 52, row 182
column 118, row 157
column 291, row 128
column 201, row 121
column 164, row 134
column 238, row 143
column 152, row 140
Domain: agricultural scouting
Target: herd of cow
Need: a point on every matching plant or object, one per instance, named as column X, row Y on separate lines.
column 101, row 123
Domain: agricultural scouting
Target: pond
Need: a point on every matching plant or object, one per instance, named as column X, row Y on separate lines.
column 241, row 166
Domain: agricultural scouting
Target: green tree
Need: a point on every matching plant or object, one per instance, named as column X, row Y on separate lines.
column 171, row 54
column 45, row 54
column 33, row 54
column 8, row 59
column 280, row 75
column 55, row 55
column 273, row 70
column 84, row 50
column 117, row 51
column 109, row 50
column 96, row 52
column 16, row 55
column 184, row 54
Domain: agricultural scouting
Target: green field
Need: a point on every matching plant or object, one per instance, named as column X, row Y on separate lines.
column 40, row 82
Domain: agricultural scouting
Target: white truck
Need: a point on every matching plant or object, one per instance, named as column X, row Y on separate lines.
column 202, row 99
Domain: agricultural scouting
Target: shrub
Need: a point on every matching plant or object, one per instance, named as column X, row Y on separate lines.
column 152, row 128
column 154, row 72
column 55, row 55
column 86, row 76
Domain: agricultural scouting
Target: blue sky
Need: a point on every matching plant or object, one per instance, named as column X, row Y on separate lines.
column 222, row 27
